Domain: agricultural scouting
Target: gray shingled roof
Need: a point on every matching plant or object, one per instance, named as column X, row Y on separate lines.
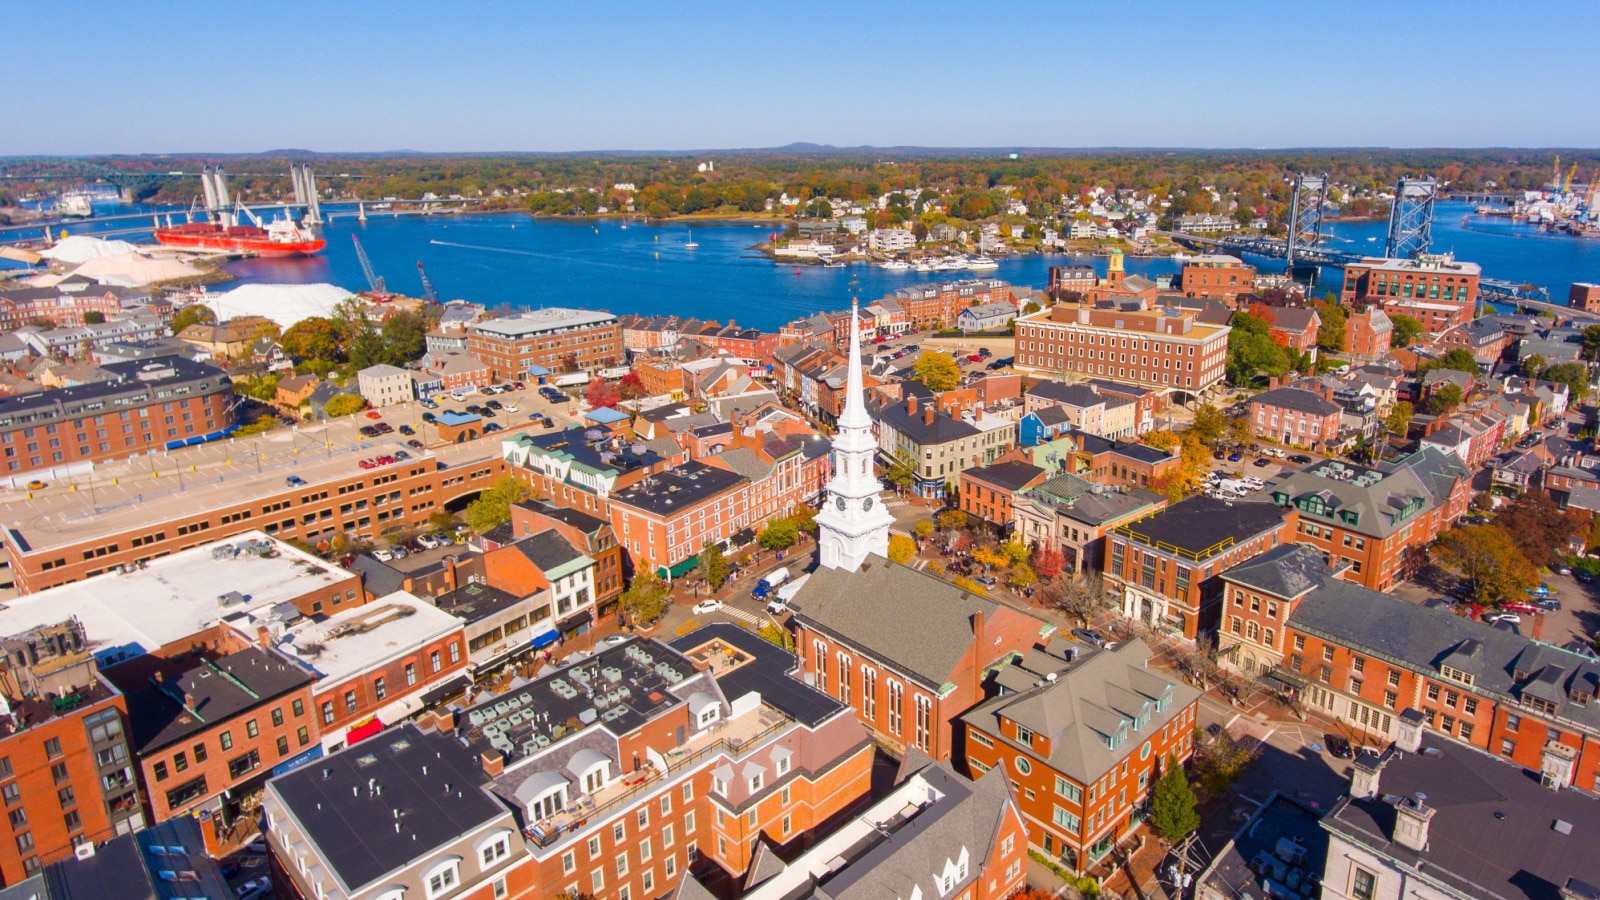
column 1493, row 834
column 870, row 609
column 1297, row 399
column 1094, row 694
column 1423, row 637
column 1375, row 497
column 1285, row 571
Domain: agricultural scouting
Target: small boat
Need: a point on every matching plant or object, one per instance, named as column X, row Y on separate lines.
column 896, row 265
column 926, row 265
column 691, row 245
column 833, row 265
column 982, row 264
column 74, row 205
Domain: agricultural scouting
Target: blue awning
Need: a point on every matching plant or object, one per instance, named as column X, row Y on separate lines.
column 545, row 639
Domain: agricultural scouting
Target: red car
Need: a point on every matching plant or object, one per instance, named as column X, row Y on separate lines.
column 1521, row 607
column 367, row 464
column 879, row 339
column 384, row 460
column 374, row 415
column 974, row 357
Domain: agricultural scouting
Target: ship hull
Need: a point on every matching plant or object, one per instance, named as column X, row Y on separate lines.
column 260, row 246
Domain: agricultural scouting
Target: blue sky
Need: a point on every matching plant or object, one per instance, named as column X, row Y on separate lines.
column 128, row 76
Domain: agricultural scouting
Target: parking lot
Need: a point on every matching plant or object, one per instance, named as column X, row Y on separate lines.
column 1577, row 619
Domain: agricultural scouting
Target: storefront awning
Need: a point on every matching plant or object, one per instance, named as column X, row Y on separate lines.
column 572, row 623
column 444, row 691
column 679, row 570
column 359, row 733
column 1286, row 678
column 545, row 639
column 295, row 762
column 401, row 709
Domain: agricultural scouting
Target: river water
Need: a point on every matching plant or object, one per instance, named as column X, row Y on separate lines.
column 510, row 259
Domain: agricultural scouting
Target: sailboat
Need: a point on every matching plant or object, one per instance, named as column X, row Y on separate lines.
column 692, row 244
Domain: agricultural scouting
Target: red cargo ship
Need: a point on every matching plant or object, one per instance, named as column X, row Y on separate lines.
column 280, row 238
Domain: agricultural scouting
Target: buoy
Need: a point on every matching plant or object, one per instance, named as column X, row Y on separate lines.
column 658, row 255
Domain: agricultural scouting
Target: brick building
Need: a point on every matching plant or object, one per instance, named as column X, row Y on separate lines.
column 336, row 496
column 1130, row 342
column 55, row 305
column 935, row 834
column 573, row 469
column 1379, row 520
column 1218, row 276
column 908, row 686
column 1294, row 327
column 1584, row 296
column 1166, row 568
column 590, row 534
column 1294, row 417
column 938, row 304
column 552, row 339
column 1367, row 334
column 940, row 444
column 1076, row 278
column 208, row 726
column 1083, row 733
column 372, row 664
column 1368, row 660
column 144, row 407
column 987, row 492
column 1437, row 281
column 66, row 773
column 664, row 521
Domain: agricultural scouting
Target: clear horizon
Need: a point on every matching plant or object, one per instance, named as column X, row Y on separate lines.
column 340, row 77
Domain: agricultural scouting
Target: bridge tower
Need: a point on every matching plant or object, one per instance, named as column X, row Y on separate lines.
column 1411, row 218
column 1305, row 221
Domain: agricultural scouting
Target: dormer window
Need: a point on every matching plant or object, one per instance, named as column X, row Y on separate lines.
column 1024, row 736
column 1579, row 697
column 1456, row 675
column 443, row 878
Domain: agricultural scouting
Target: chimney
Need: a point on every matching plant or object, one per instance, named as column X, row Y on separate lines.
column 911, row 404
column 1410, row 737
column 1364, row 774
column 263, row 636
column 450, row 571
column 444, row 721
column 493, row 764
column 927, row 415
column 1556, row 765
column 1411, row 817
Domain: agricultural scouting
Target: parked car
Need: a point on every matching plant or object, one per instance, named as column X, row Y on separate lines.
column 1520, row 607
column 707, row 606
column 399, row 552
column 1263, row 462
column 1548, row 604
column 495, row 404
column 1235, row 456
column 1513, row 618
column 382, row 555
column 414, row 444
column 294, row 481
column 430, row 417
column 1300, row 459
column 614, row 639
column 407, row 429
column 1338, row 746
column 1583, row 575
column 367, row 464
column 367, row 431
column 492, row 427
column 400, row 455
column 384, row 428
column 1089, row 637
column 374, row 414
column 254, row 889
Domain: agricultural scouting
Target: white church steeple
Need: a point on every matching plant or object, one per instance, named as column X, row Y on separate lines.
column 853, row 522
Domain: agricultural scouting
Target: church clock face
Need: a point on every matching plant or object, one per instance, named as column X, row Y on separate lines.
column 839, row 502
column 866, row 505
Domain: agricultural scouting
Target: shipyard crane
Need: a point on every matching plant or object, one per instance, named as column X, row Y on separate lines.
column 374, row 280
column 1567, row 187
column 427, row 286
column 1555, row 183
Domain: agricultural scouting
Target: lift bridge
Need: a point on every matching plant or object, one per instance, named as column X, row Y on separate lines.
column 1410, row 235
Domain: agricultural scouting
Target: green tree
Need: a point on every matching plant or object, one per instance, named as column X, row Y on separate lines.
column 1534, row 365
column 1330, row 335
column 1209, row 424
column 493, row 506
column 259, row 387
column 405, row 336
column 902, row 469
column 194, row 314
column 901, row 548
column 1457, row 359
column 937, row 371
column 1591, row 343
column 1252, row 351
column 1406, row 330
column 713, row 565
column 1489, row 559
column 312, row 338
column 1445, row 398
column 646, row 600
column 1022, row 576
column 1399, row 418
column 1575, row 376
column 343, row 405
column 780, row 534
column 94, row 317
column 1172, row 804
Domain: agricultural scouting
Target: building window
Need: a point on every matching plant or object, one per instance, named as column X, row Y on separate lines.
column 1363, row 884
column 443, row 877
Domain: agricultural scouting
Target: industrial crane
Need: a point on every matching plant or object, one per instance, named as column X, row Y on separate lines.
column 374, row 280
column 1567, row 188
column 427, row 286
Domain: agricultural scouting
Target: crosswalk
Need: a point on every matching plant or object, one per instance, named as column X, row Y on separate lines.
column 742, row 616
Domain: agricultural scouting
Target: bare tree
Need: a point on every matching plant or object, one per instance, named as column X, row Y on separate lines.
column 1080, row 596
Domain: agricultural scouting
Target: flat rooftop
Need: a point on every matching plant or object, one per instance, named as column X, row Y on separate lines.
column 678, row 489
column 356, row 640
column 119, row 497
column 535, row 321
column 344, row 803
column 619, row 688
column 212, row 691
column 1275, row 854
column 1440, row 264
column 129, row 614
column 474, row 602
column 756, row 666
column 1199, row 527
